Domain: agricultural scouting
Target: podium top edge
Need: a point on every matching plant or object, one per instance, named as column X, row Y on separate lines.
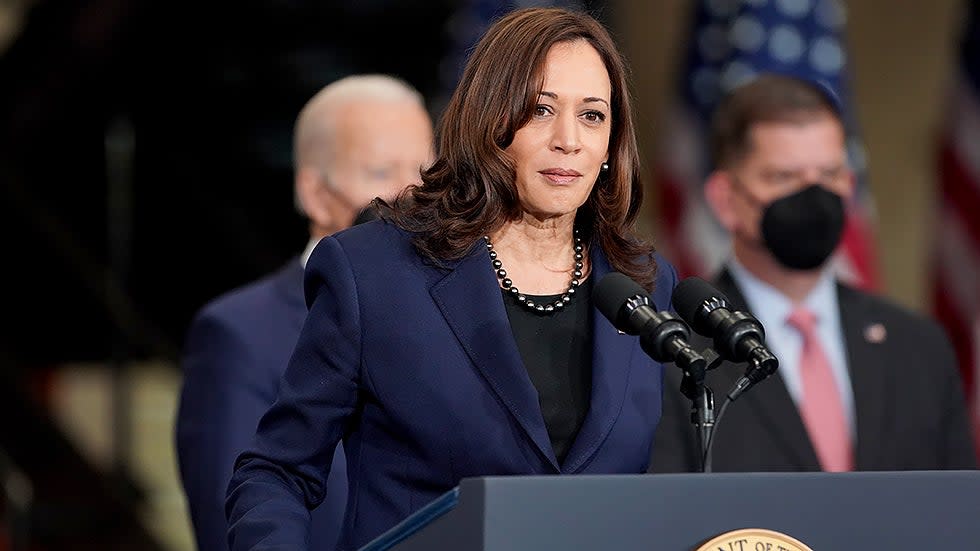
column 649, row 476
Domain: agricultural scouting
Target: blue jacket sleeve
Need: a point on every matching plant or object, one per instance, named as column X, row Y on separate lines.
column 283, row 475
column 222, row 398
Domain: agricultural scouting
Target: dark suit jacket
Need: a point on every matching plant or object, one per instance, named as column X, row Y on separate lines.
column 908, row 401
column 416, row 367
column 236, row 350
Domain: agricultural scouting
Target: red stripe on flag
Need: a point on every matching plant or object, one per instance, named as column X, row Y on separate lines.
column 960, row 190
column 858, row 244
column 673, row 203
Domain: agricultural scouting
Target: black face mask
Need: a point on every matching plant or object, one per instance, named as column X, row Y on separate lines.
column 803, row 229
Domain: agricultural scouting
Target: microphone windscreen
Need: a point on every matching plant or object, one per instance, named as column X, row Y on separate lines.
column 612, row 292
column 688, row 297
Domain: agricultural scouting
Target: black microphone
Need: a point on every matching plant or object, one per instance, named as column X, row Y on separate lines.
column 737, row 336
column 662, row 335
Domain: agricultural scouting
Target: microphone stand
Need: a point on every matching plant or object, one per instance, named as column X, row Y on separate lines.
column 702, row 404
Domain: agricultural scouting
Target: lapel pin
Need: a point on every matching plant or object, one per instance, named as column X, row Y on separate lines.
column 621, row 332
column 875, row 333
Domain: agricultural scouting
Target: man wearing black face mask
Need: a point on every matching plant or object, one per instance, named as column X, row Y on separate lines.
column 862, row 384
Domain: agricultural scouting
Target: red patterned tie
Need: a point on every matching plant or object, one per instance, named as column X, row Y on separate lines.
column 822, row 408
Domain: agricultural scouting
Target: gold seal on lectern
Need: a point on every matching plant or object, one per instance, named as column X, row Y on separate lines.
column 754, row 539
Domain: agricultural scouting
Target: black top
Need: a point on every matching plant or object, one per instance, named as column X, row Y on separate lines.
column 557, row 352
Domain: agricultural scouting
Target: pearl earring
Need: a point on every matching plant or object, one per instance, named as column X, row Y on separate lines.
column 604, row 167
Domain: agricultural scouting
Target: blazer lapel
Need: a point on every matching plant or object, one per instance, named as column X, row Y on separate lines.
column 870, row 381
column 771, row 400
column 612, row 361
column 470, row 300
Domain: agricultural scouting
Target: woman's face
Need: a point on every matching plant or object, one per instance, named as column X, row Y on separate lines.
column 559, row 152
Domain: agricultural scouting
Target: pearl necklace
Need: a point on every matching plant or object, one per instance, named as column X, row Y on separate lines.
column 565, row 298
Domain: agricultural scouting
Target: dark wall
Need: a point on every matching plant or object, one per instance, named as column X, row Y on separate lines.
column 209, row 91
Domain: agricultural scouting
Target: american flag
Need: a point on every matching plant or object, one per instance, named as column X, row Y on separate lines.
column 956, row 277
column 731, row 42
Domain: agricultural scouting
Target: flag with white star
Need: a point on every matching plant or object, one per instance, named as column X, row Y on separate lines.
column 731, row 42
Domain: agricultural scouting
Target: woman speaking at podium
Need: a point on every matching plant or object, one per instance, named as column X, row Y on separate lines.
column 456, row 337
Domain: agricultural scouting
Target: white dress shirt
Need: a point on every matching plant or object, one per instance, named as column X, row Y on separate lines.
column 772, row 308
column 307, row 252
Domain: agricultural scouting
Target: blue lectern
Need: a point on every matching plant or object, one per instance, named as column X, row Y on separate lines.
column 828, row 512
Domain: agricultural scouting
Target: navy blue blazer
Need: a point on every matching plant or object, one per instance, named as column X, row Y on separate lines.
column 415, row 367
column 236, row 350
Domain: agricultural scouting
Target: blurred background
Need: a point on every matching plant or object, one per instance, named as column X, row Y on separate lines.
column 145, row 152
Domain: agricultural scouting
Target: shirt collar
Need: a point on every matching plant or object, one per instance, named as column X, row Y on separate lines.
column 308, row 251
column 771, row 306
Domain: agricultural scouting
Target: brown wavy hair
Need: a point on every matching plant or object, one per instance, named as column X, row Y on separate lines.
column 470, row 190
column 771, row 97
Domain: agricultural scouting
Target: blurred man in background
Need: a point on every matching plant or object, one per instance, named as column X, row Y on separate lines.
column 862, row 384
column 359, row 138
